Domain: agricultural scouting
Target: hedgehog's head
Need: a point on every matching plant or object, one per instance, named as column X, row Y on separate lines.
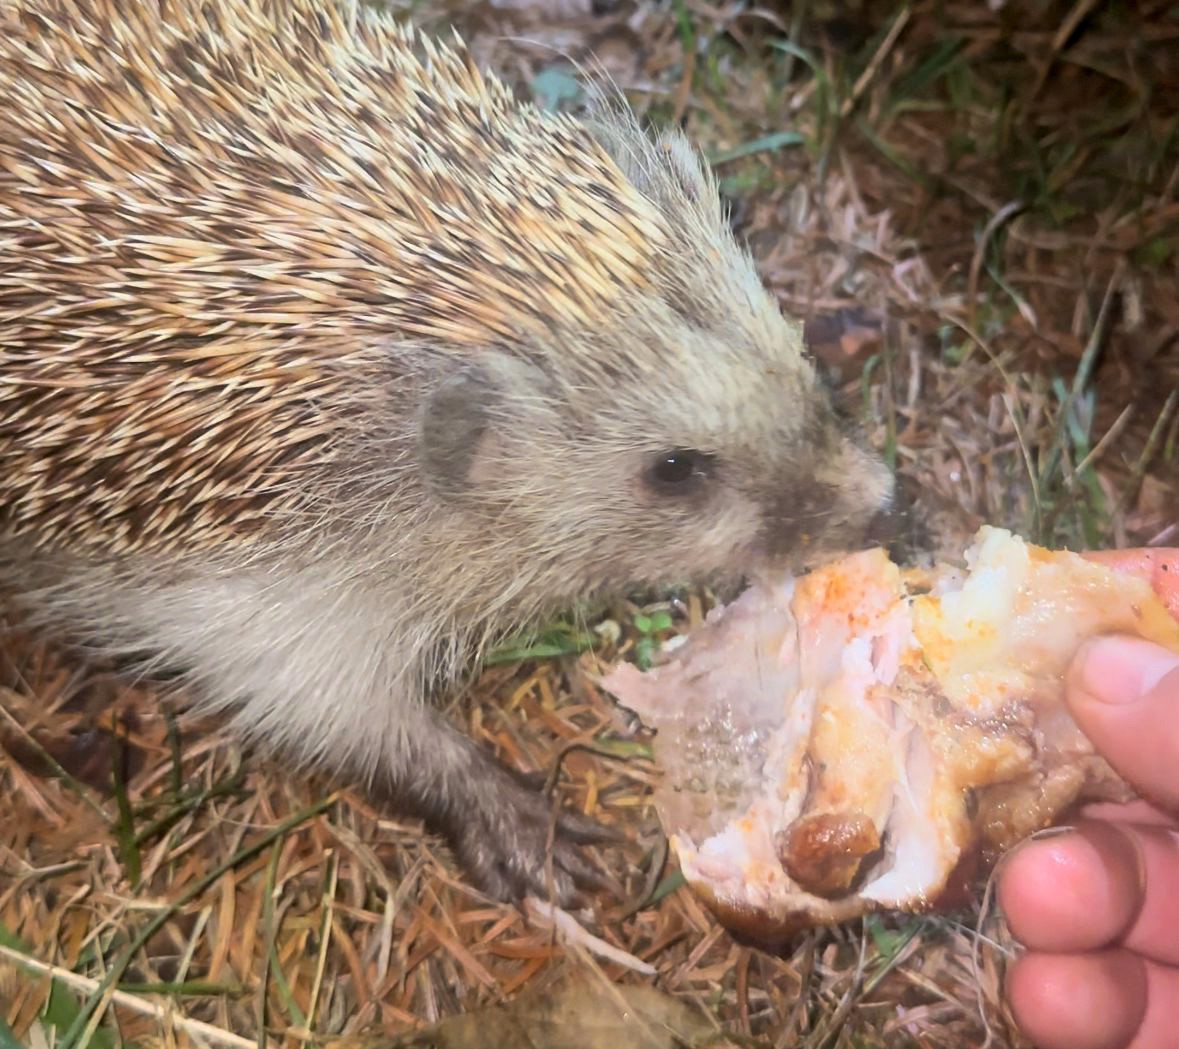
column 684, row 436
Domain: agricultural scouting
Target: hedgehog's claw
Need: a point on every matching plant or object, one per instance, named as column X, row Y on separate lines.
column 585, row 831
column 503, row 843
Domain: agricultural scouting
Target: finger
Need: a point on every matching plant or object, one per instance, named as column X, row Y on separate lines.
column 1137, row 812
column 563, row 892
column 1155, row 931
column 1124, row 694
column 1159, row 567
column 1079, row 1001
column 491, row 882
column 586, row 831
column 545, row 882
column 535, row 781
column 1161, row 1021
column 1098, row 885
column 1075, row 892
column 584, row 874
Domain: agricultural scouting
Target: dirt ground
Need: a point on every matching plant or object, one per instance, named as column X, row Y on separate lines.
column 975, row 208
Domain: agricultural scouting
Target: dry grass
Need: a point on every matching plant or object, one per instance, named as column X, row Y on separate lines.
column 977, row 214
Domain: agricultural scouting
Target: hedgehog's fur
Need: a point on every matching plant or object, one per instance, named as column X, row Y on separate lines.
column 323, row 362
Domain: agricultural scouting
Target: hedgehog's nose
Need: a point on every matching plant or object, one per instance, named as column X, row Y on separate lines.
column 815, row 520
column 883, row 528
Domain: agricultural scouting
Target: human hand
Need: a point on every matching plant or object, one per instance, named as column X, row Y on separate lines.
column 1098, row 907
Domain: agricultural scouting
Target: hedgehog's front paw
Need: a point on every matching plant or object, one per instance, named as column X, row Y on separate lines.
column 509, row 846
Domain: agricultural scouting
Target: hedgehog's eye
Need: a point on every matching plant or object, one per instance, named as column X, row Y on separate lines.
column 678, row 471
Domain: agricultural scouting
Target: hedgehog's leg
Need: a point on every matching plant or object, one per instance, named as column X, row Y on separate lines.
column 342, row 681
column 499, row 827
column 319, row 671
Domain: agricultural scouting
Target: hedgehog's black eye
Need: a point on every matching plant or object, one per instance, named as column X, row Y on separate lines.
column 678, row 471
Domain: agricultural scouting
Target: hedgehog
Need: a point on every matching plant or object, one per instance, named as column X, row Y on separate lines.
column 326, row 364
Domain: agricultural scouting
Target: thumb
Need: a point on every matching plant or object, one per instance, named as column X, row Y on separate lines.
column 1124, row 694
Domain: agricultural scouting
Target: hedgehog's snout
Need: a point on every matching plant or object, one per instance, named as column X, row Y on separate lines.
column 840, row 506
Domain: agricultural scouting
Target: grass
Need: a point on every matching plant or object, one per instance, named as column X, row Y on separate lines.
column 976, row 212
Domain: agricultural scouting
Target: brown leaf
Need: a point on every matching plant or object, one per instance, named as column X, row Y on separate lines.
column 577, row 1014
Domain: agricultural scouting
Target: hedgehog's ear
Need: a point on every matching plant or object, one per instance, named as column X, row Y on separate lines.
column 454, row 426
column 666, row 169
column 469, row 418
column 688, row 169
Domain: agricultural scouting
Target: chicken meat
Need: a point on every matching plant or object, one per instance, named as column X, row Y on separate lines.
column 867, row 737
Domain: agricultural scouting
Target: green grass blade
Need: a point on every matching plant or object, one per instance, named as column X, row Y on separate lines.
column 765, row 144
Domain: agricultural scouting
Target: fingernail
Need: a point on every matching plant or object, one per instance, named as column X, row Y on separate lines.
column 1121, row 670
